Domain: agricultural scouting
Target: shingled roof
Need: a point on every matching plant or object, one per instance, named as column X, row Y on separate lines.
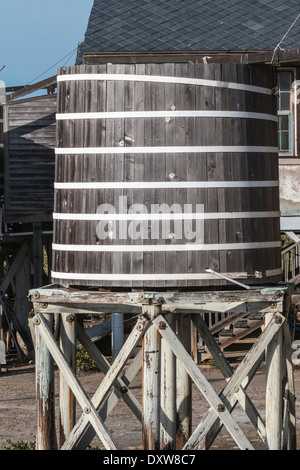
column 191, row 25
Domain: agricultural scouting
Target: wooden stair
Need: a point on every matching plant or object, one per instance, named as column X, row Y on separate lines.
column 235, row 335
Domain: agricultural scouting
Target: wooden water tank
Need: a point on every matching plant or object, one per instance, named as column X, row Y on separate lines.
column 164, row 171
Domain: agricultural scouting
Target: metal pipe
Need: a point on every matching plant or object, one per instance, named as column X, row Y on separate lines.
column 227, row 278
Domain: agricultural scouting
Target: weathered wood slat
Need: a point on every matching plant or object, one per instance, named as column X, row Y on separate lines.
column 30, row 140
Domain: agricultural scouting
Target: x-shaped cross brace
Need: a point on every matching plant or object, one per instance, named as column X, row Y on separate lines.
column 221, row 406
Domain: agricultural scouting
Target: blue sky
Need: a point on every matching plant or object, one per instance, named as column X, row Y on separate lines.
column 36, row 34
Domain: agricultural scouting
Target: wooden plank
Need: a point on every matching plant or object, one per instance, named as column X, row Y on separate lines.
column 290, row 428
column 67, row 403
column 274, row 390
column 168, row 408
column 46, row 432
column 229, row 301
column 151, row 384
column 184, row 385
column 27, row 90
column 30, row 140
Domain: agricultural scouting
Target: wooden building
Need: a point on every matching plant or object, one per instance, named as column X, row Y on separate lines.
column 27, row 159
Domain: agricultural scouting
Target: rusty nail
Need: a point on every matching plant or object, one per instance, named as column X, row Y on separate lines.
column 36, row 295
column 124, row 389
column 87, row 409
column 162, row 325
column 278, row 319
column 70, row 318
column 221, row 408
column 140, row 326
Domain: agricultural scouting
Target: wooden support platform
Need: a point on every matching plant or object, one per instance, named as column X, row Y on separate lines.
column 163, row 326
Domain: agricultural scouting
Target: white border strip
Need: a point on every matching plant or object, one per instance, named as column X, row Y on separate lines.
column 164, row 79
column 157, row 150
column 166, row 114
column 182, row 216
column 157, row 248
column 151, row 277
column 166, row 185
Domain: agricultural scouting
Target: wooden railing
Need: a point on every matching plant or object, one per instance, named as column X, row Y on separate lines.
column 291, row 263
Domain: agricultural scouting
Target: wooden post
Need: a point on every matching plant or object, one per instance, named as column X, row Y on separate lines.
column 2, row 340
column 151, row 382
column 168, row 393
column 67, row 401
column 274, row 389
column 183, row 385
column 46, row 433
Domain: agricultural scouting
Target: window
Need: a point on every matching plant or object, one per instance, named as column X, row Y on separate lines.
column 285, row 113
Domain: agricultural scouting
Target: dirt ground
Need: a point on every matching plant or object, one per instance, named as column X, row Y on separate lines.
column 18, row 408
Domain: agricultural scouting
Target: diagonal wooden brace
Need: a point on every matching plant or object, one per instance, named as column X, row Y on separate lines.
column 210, row 424
column 104, row 366
column 121, row 387
column 83, row 423
column 217, row 404
column 86, row 404
column 228, row 372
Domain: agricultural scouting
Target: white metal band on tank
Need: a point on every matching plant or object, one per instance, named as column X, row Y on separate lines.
column 166, row 114
column 152, row 277
column 164, row 79
column 150, row 248
column 160, row 216
column 167, row 185
column 157, row 150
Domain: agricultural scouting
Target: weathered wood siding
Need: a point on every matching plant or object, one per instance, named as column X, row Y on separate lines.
column 30, row 140
column 235, row 184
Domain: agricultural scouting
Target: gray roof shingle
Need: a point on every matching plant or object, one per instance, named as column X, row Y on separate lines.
column 190, row 25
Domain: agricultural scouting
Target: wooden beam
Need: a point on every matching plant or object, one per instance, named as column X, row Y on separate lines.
column 172, row 302
column 27, row 90
column 14, row 267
